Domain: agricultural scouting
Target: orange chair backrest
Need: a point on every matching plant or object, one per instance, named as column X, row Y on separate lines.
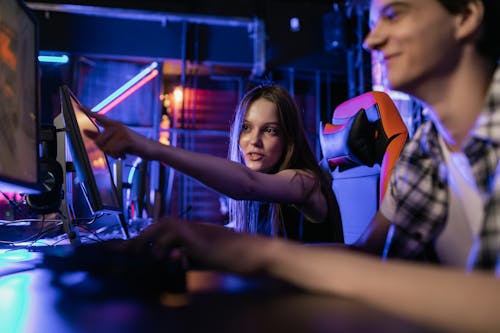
column 394, row 131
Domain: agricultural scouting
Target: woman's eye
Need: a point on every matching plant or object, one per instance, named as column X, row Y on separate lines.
column 272, row 131
column 245, row 128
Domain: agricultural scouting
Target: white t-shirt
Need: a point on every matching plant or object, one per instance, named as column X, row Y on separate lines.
column 465, row 211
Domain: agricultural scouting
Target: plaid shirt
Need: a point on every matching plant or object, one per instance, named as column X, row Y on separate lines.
column 419, row 186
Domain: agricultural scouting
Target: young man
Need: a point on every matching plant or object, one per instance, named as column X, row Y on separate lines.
column 446, row 175
column 443, row 53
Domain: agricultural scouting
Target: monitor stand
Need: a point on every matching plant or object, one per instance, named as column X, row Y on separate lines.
column 68, row 170
column 118, row 179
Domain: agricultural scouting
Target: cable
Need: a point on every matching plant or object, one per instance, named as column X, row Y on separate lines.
column 7, row 222
column 13, row 204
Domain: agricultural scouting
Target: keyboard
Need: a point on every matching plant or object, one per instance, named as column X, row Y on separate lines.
column 109, row 261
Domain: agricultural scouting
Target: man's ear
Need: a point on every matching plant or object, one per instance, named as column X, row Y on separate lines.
column 469, row 21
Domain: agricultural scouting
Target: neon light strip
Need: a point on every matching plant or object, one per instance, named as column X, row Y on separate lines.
column 126, row 86
column 62, row 59
column 129, row 92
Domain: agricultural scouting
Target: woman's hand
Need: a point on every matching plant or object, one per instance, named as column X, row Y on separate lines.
column 117, row 140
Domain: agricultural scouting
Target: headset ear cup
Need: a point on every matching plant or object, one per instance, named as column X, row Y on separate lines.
column 51, row 179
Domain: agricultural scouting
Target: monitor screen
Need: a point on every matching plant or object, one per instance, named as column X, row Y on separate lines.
column 19, row 99
column 91, row 164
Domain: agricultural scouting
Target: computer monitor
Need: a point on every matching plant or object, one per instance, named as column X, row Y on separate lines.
column 19, row 99
column 90, row 162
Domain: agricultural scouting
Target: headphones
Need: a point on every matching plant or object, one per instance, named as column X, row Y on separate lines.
column 51, row 175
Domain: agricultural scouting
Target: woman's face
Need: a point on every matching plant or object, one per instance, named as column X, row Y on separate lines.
column 261, row 141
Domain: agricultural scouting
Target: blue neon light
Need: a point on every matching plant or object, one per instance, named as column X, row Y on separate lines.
column 60, row 59
column 126, row 86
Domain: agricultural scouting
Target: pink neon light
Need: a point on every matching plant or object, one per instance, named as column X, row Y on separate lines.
column 129, row 92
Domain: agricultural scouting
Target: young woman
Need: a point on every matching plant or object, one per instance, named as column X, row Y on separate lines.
column 267, row 115
column 273, row 179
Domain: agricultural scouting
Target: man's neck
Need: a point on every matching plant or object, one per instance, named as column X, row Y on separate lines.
column 457, row 100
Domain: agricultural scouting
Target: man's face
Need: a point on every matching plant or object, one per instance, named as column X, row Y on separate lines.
column 415, row 40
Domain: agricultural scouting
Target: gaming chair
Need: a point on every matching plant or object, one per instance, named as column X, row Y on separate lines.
column 360, row 148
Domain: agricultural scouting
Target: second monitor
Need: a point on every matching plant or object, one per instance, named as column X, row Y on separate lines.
column 91, row 164
column 93, row 171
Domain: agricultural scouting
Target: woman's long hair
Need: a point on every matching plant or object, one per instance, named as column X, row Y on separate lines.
column 265, row 217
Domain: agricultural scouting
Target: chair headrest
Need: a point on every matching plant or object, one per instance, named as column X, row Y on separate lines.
column 349, row 143
column 365, row 130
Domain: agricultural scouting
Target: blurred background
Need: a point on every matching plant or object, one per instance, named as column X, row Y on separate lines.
column 175, row 71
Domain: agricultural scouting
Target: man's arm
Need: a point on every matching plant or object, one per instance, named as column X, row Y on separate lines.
column 445, row 298
column 371, row 241
column 373, row 238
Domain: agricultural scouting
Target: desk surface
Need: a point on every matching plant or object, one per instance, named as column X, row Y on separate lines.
column 39, row 300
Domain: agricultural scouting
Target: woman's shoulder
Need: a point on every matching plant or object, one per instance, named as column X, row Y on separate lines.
column 297, row 172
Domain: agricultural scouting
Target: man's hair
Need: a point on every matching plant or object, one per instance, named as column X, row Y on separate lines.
column 488, row 43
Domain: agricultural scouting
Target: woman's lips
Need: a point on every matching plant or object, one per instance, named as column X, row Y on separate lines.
column 255, row 156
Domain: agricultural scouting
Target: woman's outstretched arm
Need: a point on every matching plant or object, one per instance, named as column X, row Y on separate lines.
column 227, row 177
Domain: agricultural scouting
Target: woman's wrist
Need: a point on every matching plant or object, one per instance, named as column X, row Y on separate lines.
column 151, row 150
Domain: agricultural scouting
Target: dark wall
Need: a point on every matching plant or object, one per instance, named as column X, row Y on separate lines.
column 302, row 49
column 118, row 38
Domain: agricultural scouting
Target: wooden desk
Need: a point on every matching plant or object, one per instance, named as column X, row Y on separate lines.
column 37, row 301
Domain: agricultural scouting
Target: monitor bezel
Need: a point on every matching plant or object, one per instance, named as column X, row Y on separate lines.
column 78, row 152
column 18, row 185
